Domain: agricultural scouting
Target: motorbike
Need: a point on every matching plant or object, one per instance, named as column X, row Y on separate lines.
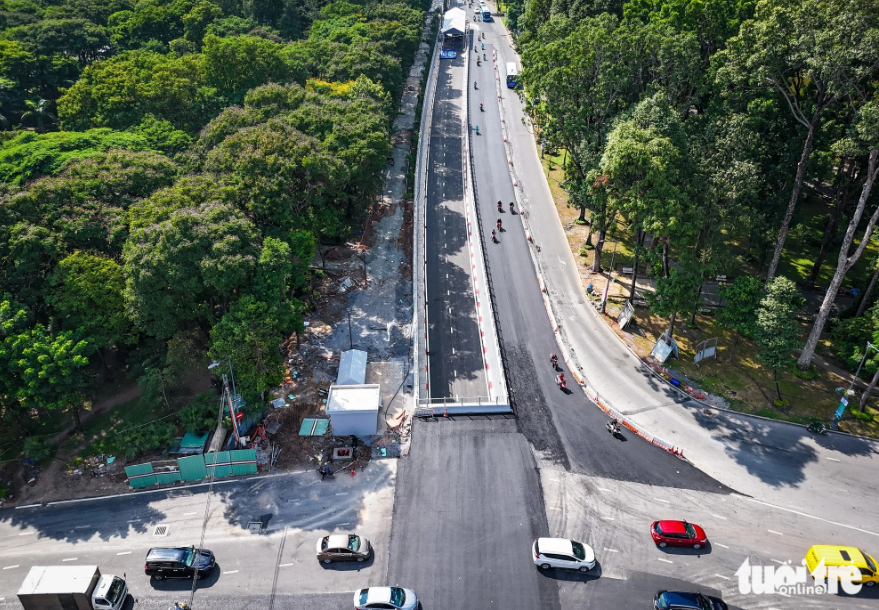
column 499, row 225
column 816, row 427
column 481, row 109
column 500, row 207
column 561, row 383
column 474, row 85
column 325, row 471
column 613, row 427
column 477, row 130
column 554, row 361
column 511, row 208
column 494, row 237
column 478, row 62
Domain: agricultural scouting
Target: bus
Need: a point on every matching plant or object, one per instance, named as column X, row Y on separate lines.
column 512, row 75
column 486, row 12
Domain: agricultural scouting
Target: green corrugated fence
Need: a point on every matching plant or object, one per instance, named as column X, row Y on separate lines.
column 195, row 468
column 140, row 475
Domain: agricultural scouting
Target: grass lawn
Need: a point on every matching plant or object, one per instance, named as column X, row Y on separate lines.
column 745, row 382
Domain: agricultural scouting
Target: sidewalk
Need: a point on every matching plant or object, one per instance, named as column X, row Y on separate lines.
column 774, row 462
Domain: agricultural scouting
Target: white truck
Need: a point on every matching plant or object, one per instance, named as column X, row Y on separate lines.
column 72, row 588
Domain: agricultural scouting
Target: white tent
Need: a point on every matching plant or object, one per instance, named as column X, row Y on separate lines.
column 353, row 409
column 352, row 368
column 454, row 22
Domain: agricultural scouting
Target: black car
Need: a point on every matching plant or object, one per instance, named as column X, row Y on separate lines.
column 162, row 563
column 685, row 600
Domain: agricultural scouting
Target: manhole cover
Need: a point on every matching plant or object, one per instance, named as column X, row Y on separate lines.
column 161, row 530
column 255, row 527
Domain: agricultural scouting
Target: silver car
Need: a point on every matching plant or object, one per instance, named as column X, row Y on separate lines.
column 392, row 598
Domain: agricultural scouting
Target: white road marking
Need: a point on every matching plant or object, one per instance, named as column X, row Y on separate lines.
column 783, row 594
column 774, row 532
column 554, row 480
column 723, row 577
column 285, row 565
column 187, row 514
column 802, row 514
column 833, row 459
column 124, row 553
column 777, row 561
column 10, row 567
column 665, row 560
column 718, row 516
column 230, row 572
column 82, row 527
column 603, row 489
column 26, row 533
column 554, row 508
column 342, row 493
column 611, row 550
column 133, row 521
column 661, row 500
column 608, row 518
column 718, row 544
column 71, row 559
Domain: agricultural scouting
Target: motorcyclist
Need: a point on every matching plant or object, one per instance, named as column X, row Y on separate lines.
column 511, row 207
column 560, row 380
column 481, row 109
column 500, row 206
column 554, row 359
column 477, row 130
column 325, row 471
column 483, row 45
column 499, row 224
column 493, row 236
column 474, row 85
column 615, row 426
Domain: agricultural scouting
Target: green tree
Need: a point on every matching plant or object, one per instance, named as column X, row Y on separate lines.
column 676, row 294
column 197, row 20
column 776, row 325
column 52, row 368
column 251, row 334
column 87, row 294
column 235, row 65
column 813, row 54
column 741, row 299
column 38, row 112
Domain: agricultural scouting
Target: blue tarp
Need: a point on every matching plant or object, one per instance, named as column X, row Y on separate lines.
column 448, row 54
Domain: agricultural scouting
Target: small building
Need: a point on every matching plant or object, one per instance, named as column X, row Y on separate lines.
column 352, row 368
column 353, row 409
column 454, row 23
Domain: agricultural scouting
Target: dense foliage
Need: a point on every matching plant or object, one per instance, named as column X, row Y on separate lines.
column 702, row 125
column 168, row 169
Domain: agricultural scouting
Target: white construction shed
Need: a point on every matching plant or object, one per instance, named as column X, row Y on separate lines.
column 352, row 368
column 454, row 22
column 353, row 409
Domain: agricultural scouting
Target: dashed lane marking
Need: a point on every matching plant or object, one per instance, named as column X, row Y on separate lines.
column 833, row 459
column 133, row 521
column 285, row 565
column 611, row 550
column 187, row 514
column 777, row 561
column 27, row 533
column 723, row 577
column 774, row 532
column 342, row 493
column 71, row 559
column 82, row 527
column 665, row 560
column 10, row 567
column 230, row 572
column 661, row 500
column 718, row 516
column 124, row 553
column 722, row 545
column 603, row 489
column 802, row 514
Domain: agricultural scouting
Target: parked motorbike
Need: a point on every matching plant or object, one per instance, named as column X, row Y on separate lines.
column 816, row 427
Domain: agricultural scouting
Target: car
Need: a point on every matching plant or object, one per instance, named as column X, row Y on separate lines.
column 343, row 547
column 562, row 553
column 678, row 533
column 390, row 598
column 179, row 562
column 685, row 600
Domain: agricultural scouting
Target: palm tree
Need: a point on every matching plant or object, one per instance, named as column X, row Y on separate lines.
column 39, row 111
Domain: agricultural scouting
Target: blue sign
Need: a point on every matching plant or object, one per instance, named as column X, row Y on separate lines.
column 448, row 54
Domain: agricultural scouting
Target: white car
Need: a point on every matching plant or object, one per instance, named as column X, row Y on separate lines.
column 563, row 553
column 392, row 598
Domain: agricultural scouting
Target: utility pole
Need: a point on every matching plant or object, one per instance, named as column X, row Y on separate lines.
column 609, row 278
column 843, row 402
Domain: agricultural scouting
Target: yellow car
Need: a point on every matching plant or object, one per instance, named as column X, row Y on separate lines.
column 844, row 556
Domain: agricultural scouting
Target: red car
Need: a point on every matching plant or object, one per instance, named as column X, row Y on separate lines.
column 678, row 533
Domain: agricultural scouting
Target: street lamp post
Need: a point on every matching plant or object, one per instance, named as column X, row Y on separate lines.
column 232, row 413
column 843, row 402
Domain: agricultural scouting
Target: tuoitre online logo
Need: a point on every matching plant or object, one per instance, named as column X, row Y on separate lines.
column 790, row 580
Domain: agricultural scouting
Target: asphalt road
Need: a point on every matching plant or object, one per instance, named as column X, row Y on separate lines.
column 468, row 506
column 455, row 360
column 298, row 509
